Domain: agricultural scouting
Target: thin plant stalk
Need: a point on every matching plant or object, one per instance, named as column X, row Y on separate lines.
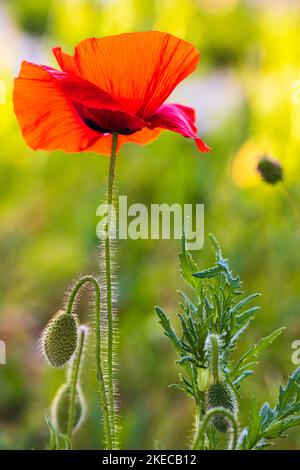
column 199, row 441
column 73, row 382
column 215, row 358
column 109, row 293
column 100, row 377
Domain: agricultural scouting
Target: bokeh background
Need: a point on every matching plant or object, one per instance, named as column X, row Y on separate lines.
column 248, row 102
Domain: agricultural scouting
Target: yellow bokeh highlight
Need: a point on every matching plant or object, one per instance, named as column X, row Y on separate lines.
column 219, row 6
column 2, row 92
column 244, row 168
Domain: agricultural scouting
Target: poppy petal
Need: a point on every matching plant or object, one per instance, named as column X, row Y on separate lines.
column 142, row 137
column 139, row 70
column 178, row 118
column 47, row 118
column 56, row 110
column 65, row 61
column 98, row 110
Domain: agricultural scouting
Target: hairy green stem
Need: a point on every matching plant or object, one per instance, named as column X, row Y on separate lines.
column 214, row 359
column 108, row 278
column 199, row 442
column 104, row 403
column 73, row 383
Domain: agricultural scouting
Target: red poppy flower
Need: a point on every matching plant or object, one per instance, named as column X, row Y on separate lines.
column 113, row 84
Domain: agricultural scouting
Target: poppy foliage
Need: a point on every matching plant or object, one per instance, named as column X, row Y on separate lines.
column 116, row 84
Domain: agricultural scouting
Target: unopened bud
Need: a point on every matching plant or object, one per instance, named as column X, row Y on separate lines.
column 270, row 169
column 61, row 408
column 59, row 339
column 221, row 395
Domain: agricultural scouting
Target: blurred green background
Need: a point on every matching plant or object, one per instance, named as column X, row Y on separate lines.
column 247, row 101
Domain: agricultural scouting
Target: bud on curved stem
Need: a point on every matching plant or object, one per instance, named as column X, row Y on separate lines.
column 59, row 339
column 199, row 442
column 104, row 403
column 61, row 410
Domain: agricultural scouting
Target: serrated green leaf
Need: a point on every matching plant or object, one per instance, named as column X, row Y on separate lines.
column 249, row 358
column 246, row 316
column 187, row 265
column 208, row 273
column 242, row 376
column 288, row 393
column 188, row 301
column 274, row 422
column 169, row 332
column 252, row 432
column 277, row 428
column 243, row 302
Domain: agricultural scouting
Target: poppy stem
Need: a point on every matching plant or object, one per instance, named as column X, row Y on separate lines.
column 200, row 439
column 109, row 294
column 69, row 307
column 73, row 383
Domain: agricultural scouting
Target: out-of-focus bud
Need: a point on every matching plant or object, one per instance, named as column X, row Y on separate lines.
column 61, row 408
column 270, row 170
column 59, row 339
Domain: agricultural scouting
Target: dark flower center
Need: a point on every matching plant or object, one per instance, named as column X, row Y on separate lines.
column 95, row 127
column 106, row 121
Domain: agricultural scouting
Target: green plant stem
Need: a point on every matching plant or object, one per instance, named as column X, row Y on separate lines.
column 215, row 358
column 71, row 299
column 199, row 441
column 73, row 383
column 108, row 277
column 197, row 420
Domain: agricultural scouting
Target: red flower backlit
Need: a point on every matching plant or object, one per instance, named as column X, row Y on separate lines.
column 113, row 84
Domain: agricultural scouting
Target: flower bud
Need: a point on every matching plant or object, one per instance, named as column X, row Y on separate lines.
column 61, row 407
column 59, row 339
column 270, row 170
column 221, row 394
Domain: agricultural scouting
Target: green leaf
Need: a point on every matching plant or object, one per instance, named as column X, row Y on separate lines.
column 222, row 263
column 187, row 265
column 251, row 356
column 52, row 432
column 277, row 428
column 272, row 423
column 252, row 433
column 188, row 301
column 208, row 273
column 246, row 316
column 243, row 302
column 169, row 332
column 289, row 392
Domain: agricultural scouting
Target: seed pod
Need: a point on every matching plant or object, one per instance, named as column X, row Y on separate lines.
column 61, row 407
column 270, row 170
column 60, row 338
column 221, row 394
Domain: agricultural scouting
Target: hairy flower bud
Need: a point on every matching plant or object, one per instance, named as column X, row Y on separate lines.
column 221, row 394
column 61, row 408
column 270, row 170
column 59, row 339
